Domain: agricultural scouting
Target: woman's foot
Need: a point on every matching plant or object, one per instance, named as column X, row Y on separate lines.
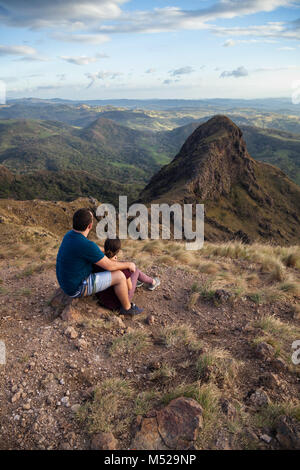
column 156, row 283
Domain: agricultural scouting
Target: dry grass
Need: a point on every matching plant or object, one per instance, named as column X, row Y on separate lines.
column 279, row 334
column 267, row 417
column 130, row 343
column 222, row 367
column 146, row 401
column 109, row 409
column 273, row 325
column 193, row 299
column 173, row 336
column 164, row 373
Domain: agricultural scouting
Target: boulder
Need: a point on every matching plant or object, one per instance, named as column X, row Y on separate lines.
column 60, row 300
column 71, row 315
column 176, row 426
column 63, row 306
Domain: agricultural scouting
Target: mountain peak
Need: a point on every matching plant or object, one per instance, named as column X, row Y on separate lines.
column 241, row 195
column 212, row 159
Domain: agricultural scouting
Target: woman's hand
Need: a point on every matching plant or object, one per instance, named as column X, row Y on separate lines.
column 131, row 267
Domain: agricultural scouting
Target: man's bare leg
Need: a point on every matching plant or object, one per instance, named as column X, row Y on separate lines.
column 118, row 281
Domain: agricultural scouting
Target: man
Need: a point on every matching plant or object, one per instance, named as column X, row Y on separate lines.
column 74, row 265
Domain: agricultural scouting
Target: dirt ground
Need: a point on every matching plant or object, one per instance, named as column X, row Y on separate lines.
column 47, row 372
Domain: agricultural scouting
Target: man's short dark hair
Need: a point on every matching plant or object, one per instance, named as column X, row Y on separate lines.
column 81, row 219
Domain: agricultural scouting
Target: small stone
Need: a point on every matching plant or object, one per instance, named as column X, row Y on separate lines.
column 61, row 381
column 65, row 446
column 104, row 441
column 75, row 407
column 269, row 380
column 228, row 409
column 259, row 398
column 265, row 351
column 130, row 371
column 150, row 320
column 16, row 396
column 65, row 401
column 26, row 406
column 118, row 322
column 71, row 332
column 266, row 438
column 155, row 365
column 81, row 344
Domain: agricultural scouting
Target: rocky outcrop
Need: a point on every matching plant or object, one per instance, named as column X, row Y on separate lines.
column 244, row 199
column 174, row 427
column 210, row 162
column 63, row 306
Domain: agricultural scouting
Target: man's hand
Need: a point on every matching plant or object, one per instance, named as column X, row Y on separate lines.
column 111, row 265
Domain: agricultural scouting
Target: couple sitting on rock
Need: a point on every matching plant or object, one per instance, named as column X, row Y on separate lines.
column 83, row 269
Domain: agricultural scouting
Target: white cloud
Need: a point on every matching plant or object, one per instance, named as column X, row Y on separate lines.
column 181, row 71
column 81, row 38
column 53, row 13
column 174, row 18
column 102, row 75
column 83, row 60
column 16, row 50
column 286, row 48
column 239, row 72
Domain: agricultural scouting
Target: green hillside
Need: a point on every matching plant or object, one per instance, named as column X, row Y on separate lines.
column 105, row 151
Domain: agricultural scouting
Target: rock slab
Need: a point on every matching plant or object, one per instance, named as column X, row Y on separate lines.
column 174, row 427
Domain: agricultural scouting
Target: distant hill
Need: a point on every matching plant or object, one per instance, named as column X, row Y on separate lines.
column 279, row 148
column 105, row 150
column 61, row 185
column 243, row 198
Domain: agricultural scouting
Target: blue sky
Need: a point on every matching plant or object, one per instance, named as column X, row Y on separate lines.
column 101, row 49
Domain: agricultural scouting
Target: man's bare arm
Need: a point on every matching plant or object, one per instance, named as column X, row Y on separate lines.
column 111, row 265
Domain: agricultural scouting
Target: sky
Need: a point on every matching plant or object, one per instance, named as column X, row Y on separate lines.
column 142, row 49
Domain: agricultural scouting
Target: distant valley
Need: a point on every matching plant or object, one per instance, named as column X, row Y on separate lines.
column 60, row 151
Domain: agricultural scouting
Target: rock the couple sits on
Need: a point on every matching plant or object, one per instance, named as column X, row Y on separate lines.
column 82, row 268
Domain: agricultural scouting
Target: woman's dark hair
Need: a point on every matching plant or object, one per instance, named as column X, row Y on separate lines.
column 81, row 219
column 112, row 246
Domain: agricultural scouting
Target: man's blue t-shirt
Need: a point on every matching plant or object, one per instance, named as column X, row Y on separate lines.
column 75, row 260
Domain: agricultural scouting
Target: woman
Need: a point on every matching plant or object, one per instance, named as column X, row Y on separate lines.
column 108, row 298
